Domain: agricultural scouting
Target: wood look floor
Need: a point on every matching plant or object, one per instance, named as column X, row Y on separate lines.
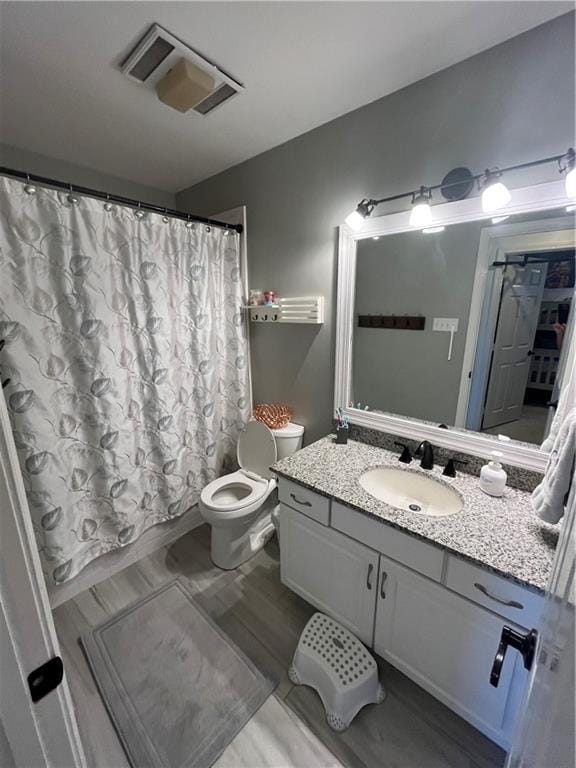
column 410, row 729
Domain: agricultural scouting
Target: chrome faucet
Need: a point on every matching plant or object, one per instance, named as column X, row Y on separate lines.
column 426, row 451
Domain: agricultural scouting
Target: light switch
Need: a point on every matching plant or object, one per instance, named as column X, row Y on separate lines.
column 449, row 324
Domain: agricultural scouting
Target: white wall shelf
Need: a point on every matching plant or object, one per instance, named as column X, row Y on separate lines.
column 308, row 309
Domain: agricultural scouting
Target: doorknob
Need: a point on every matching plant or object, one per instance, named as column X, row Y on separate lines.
column 526, row 644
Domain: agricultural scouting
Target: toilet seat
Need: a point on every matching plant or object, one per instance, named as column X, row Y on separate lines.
column 233, row 492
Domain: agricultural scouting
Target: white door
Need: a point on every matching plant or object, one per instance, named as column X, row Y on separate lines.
column 519, row 311
column 336, row 574
column 44, row 733
column 545, row 733
column 446, row 644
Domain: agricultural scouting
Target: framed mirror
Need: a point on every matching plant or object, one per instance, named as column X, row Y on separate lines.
column 460, row 334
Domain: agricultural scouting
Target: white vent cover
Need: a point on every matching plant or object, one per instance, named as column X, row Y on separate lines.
column 159, row 51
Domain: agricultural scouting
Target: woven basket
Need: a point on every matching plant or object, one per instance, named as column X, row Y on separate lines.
column 273, row 415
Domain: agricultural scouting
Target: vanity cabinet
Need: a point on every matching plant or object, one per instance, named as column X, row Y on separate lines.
column 444, row 643
column 331, row 571
column 435, row 617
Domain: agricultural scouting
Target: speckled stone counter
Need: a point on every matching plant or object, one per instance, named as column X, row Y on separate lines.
column 502, row 534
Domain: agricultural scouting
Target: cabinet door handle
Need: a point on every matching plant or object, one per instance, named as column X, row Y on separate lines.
column 369, row 576
column 303, row 503
column 511, row 603
column 382, row 592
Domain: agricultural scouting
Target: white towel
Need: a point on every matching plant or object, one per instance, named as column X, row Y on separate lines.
column 567, row 382
column 549, row 498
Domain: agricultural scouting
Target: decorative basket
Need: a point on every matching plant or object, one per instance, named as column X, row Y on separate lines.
column 273, row 415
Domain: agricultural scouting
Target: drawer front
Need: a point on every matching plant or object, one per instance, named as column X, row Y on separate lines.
column 502, row 596
column 405, row 549
column 303, row 500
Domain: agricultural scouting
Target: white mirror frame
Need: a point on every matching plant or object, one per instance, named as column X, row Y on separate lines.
column 540, row 197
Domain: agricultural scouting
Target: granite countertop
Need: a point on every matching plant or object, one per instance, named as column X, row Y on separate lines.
column 503, row 534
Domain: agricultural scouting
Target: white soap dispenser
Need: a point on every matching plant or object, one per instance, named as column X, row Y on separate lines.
column 492, row 476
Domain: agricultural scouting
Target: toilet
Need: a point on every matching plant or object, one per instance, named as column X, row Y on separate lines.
column 241, row 506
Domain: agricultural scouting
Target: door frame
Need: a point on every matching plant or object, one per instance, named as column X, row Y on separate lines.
column 45, row 733
column 495, row 243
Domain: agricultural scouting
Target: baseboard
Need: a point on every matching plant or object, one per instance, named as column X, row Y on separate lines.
column 113, row 562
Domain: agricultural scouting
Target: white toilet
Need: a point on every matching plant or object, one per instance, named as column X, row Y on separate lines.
column 239, row 506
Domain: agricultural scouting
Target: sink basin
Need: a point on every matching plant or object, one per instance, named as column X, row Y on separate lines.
column 411, row 492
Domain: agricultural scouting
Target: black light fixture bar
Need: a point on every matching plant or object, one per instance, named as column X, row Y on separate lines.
column 88, row 192
column 520, row 166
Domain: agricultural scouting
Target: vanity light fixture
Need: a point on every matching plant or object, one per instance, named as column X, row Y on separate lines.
column 355, row 220
column 457, row 185
column 421, row 214
column 495, row 194
column 433, row 230
column 568, row 166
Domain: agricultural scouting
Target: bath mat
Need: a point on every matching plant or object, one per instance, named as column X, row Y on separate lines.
column 177, row 689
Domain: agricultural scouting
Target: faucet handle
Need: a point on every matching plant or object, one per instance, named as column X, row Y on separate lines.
column 405, row 456
column 450, row 469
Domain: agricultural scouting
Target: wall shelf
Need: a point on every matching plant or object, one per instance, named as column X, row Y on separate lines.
column 308, row 309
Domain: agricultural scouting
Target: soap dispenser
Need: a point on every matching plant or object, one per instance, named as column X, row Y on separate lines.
column 492, row 476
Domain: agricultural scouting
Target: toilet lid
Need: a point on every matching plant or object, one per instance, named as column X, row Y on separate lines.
column 257, row 449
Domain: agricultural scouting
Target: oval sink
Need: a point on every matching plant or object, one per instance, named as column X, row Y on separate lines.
column 411, row 492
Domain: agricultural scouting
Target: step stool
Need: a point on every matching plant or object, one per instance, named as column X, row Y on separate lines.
column 336, row 664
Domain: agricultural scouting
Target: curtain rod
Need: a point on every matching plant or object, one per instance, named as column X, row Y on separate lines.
column 88, row 192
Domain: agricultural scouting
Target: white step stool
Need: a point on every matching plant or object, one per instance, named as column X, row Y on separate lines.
column 336, row 664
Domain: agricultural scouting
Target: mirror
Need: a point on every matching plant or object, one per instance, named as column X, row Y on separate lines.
column 467, row 326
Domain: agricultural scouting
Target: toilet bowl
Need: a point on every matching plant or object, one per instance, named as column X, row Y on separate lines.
column 240, row 506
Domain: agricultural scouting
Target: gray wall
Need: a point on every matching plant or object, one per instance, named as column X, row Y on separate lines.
column 6, row 756
column 31, row 162
column 407, row 372
column 510, row 104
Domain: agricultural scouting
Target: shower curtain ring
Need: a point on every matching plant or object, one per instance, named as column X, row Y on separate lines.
column 108, row 205
column 189, row 224
column 139, row 213
column 165, row 218
column 30, row 189
column 72, row 199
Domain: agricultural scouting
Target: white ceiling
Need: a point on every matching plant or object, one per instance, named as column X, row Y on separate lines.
column 303, row 64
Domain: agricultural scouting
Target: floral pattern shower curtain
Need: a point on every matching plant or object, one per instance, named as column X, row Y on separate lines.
column 127, row 358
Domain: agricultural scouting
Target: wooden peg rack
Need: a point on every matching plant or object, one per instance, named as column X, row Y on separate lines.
column 395, row 322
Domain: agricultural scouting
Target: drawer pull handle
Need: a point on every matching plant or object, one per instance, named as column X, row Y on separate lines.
column 510, row 603
column 382, row 592
column 369, row 576
column 303, row 503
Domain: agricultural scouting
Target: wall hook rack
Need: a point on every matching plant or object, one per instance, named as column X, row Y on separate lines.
column 308, row 310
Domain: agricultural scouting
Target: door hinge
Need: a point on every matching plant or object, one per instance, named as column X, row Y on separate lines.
column 45, row 678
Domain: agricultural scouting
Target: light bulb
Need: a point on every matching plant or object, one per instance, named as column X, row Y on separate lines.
column 495, row 194
column 421, row 213
column 433, row 230
column 498, row 219
column 355, row 221
column 571, row 182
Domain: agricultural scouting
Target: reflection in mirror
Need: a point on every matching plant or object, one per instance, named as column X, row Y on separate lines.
column 465, row 327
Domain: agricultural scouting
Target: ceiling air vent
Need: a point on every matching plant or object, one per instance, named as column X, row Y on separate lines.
column 159, row 57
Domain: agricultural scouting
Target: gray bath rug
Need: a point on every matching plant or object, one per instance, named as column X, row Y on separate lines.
column 177, row 689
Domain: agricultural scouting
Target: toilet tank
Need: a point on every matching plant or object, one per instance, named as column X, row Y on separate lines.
column 288, row 439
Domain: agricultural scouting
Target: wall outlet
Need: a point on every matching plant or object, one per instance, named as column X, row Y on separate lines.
column 445, row 324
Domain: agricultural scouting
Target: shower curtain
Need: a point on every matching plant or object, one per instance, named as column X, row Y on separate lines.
column 126, row 351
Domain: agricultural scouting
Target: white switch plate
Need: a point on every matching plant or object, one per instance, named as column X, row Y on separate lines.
column 445, row 324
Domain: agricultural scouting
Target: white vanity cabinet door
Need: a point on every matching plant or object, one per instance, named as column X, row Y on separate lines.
column 446, row 644
column 336, row 574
